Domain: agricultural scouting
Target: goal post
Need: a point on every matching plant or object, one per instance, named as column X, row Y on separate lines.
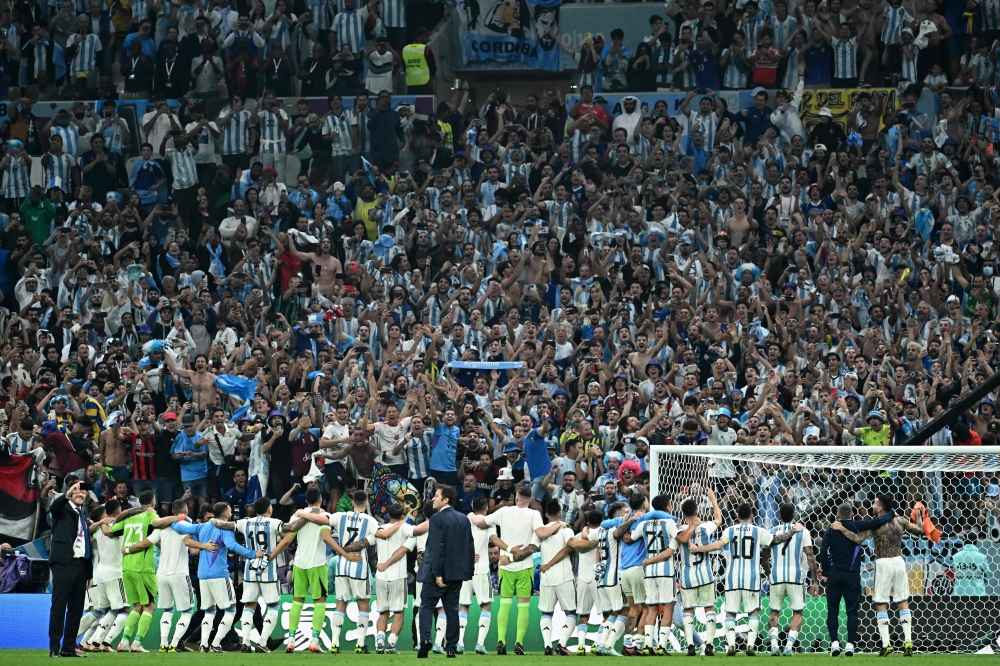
column 954, row 584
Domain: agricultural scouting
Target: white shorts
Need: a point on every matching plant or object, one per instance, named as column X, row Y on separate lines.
column 659, row 590
column 107, row 595
column 742, row 601
column 634, row 584
column 609, row 599
column 794, row 592
column 891, row 583
column 699, row 597
column 391, row 595
column 175, row 592
column 352, row 589
column 266, row 592
column 217, row 593
column 564, row 593
column 586, row 597
column 479, row 587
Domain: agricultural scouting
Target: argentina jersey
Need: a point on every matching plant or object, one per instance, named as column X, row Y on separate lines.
column 260, row 534
column 658, row 535
column 696, row 568
column 606, row 570
column 788, row 559
column 744, row 543
column 348, row 528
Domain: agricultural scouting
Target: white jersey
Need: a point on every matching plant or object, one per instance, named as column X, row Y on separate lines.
column 696, row 568
column 386, row 547
column 260, row 534
column 173, row 560
column 658, row 535
column 349, row 527
column 310, row 549
column 606, row 572
column 745, row 542
column 563, row 571
column 388, row 437
column 107, row 558
column 788, row 559
column 517, row 528
column 481, row 547
column 586, row 563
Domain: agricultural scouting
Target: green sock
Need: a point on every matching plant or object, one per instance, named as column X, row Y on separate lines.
column 293, row 616
column 503, row 618
column 523, row 615
column 319, row 617
column 145, row 621
column 131, row 622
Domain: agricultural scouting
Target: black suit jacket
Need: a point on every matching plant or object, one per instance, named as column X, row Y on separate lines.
column 449, row 552
column 65, row 522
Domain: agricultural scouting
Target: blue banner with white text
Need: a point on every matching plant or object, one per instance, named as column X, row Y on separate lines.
column 516, row 34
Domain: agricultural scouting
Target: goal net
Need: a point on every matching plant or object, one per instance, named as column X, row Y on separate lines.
column 954, row 584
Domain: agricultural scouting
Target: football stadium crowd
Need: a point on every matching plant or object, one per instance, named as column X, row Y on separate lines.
column 274, row 280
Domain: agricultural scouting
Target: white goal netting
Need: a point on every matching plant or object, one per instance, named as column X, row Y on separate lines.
column 954, row 583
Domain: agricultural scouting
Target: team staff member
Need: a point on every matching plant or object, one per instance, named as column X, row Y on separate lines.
column 71, row 562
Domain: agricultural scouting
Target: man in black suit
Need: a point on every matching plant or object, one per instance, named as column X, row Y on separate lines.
column 448, row 561
column 71, row 561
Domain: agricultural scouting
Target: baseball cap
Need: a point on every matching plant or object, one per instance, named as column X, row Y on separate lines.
column 169, row 416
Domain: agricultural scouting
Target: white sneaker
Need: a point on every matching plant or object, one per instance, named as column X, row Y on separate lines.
column 774, row 649
column 835, row 649
column 137, row 646
column 849, row 650
column 124, row 647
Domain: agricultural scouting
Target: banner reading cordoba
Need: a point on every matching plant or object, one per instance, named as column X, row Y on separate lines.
column 518, row 34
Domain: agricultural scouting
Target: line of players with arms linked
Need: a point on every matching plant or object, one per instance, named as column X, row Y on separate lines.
column 629, row 568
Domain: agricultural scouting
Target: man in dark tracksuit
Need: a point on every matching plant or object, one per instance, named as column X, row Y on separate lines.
column 841, row 562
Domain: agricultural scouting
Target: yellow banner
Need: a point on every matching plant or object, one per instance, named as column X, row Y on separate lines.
column 841, row 101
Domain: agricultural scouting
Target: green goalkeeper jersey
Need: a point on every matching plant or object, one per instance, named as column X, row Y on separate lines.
column 134, row 530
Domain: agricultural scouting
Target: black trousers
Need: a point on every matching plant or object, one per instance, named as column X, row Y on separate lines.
column 430, row 594
column 69, row 584
column 847, row 586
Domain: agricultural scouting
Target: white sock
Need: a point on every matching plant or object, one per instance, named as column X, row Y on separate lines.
column 379, row 638
column 582, row 629
column 207, row 622
column 772, row 634
column 617, row 629
column 709, row 626
column 181, row 628
column 89, row 619
column 648, row 635
column 117, row 626
column 689, row 627
column 627, row 641
column 336, row 623
column 362, row 627
column 484, row 627
column 439, row 629
column 754, row 621
column 567, row 629
column 463, row 622
column 99, row 633
column 675, row 645
column 882, row 618
column 730, row 626
column 546, row 627
column 228, row 617
column 416, row 623
column 166, row 621
column 906, row 623
column 602, row 633
column 246, row 624
column 392, row 640
column 790, row 640
column 270, row 619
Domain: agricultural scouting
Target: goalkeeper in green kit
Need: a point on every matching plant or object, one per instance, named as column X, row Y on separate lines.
column 138, row 569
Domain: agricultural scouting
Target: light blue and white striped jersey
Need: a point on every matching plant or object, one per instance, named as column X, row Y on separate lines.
column 788, row 559
column 272, row 134
column 658, row 535
column 696, row 568
column 322, row 12
column 394, row 13
column 140, row 9
column 260, row 534
column 606, row 573
column 896, row 18
column 183, row 167
column 85, row 59
column 990, row 13
column 70, row 138
column 16, row 178
column 783, row 31
column 58, row 172
column 845, row 58
column 745, row 541
column 350, row 28
column 734, row 76
column 338, row 128
column 235, row 133
column 349, row 527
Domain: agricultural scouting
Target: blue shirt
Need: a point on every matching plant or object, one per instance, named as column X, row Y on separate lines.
column 191, row 470
column 444, row 448
column 536, row 452
column 632, row 554
column 214, row 564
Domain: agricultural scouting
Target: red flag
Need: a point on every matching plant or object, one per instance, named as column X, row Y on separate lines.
column 17, row 497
